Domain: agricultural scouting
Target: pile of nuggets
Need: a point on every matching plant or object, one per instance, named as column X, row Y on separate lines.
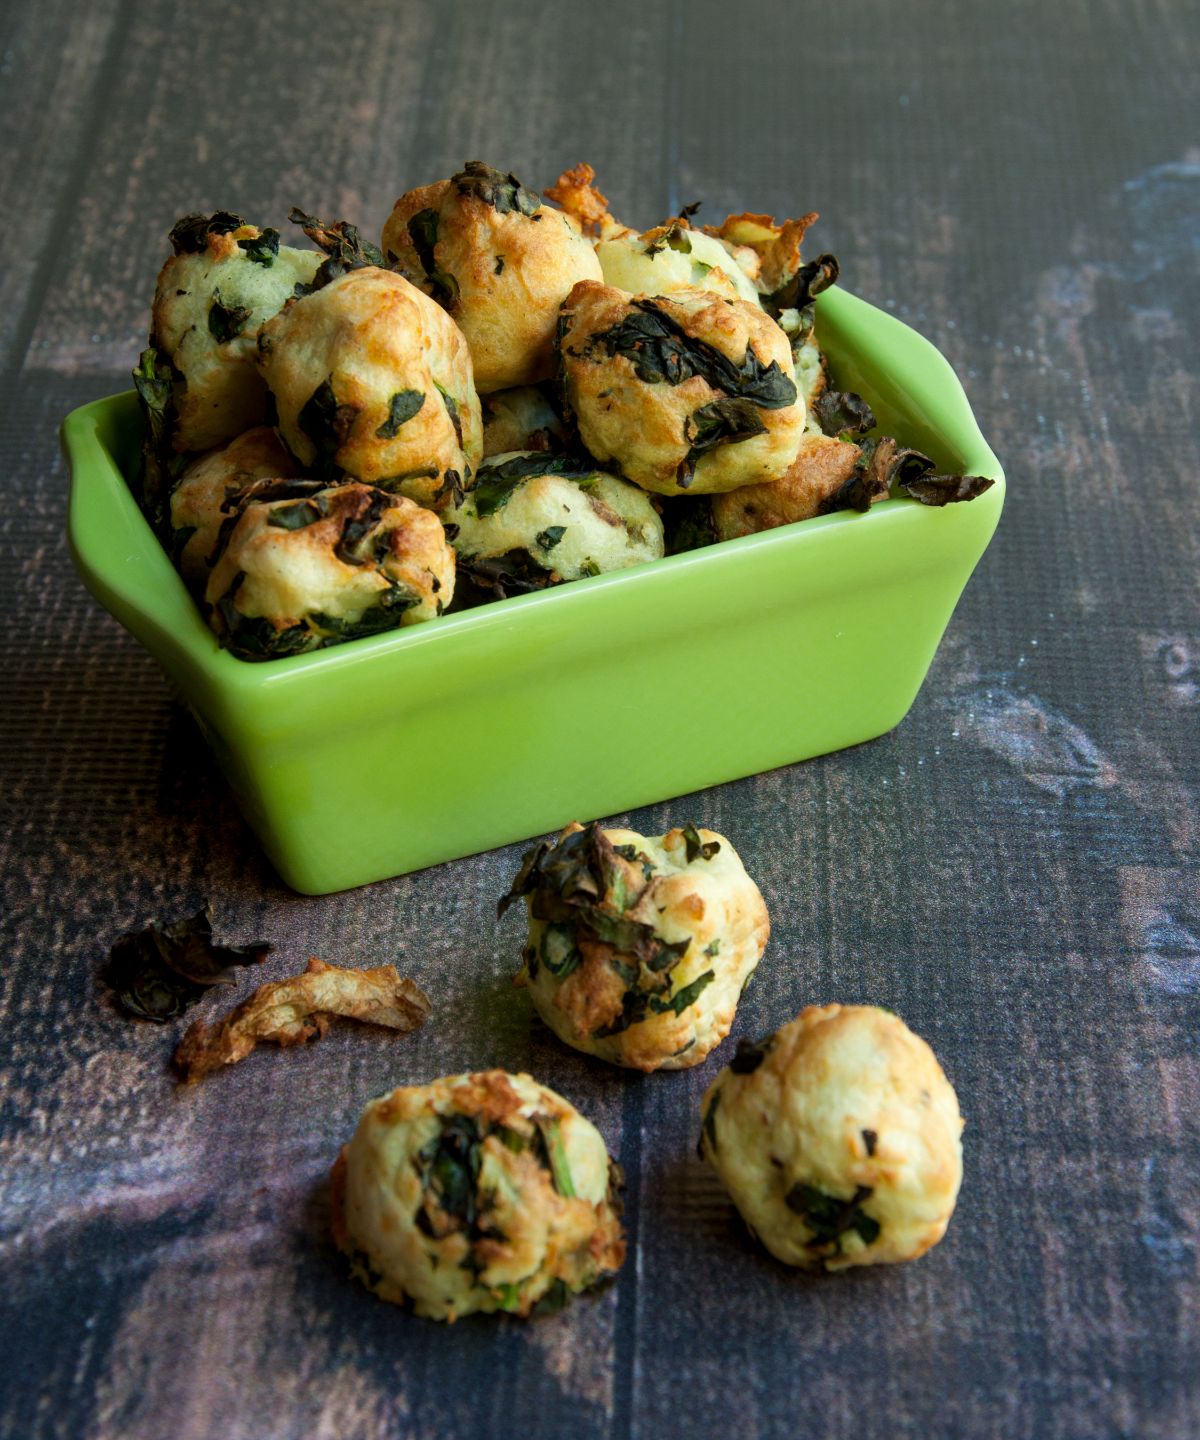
column 506, row 394
column 837, row 1137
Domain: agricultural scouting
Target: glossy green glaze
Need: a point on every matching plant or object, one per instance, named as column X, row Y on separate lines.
column 395, row 752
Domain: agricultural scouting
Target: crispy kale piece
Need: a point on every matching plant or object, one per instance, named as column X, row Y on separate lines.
column 504, row 193
column 345, row 249
column 156, row 973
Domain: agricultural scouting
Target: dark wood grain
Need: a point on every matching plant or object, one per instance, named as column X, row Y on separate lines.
column 1015, row 870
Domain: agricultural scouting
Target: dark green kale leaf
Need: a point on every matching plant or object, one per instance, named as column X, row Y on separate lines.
column 556, row 1298
column 451, row 1163
column 154, row 379
column 161, row 970
column 515, row 572
column 189, row 236
column 550, row 536
column 843, row 413
column 722, row 422
column 327, row 424
column 558, row 952
column 405, row 404
column 358, row 524
column 750, row 1054
column 264, row 492
column 263, row 248
column 830, row 1218
column 686, row 997
column 344, row 248
column 226, row 322
column 451, row 405
column 423, row 232
column 801, row 289
column 495, row 484
column 694, row 846
column 662, row 352
column 385, row 614
column 504, row 193
column 688, row 523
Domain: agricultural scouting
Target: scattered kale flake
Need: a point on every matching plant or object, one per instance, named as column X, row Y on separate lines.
column 161, row 970
column 451, row 405
column 830, row 1218
column 946, row 489
column 804, row 286
column 189, row 236
column 750, row 1054
column 504, row 193
column 870, row 1140
column 843, row 413
column 550, row 537
column 327, row 424
column 226, row 322
column 495, row 484
column 262, row 249
column 696, row 848
column 423, row 231
column 344, row 248
column 405, row 404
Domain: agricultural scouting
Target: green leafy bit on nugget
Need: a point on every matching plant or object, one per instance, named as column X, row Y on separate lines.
column 830, row 1218
column 583, row 889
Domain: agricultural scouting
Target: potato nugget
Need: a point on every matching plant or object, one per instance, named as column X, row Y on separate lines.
column 499, row 260
column 209, row 484
column 223, row 281
column 838, row 1139
column 533, row 519
column 305, row 567
column 639, row 948
column 477, row 1193
column 520, row 419
column 372, row 382
column 684, row 392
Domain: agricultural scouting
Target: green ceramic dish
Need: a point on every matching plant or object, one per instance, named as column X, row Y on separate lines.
column 395, row 752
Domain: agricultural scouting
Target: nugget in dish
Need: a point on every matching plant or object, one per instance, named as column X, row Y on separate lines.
column 477, row 1192
column 521, row 419
column 838, row 1139
column 639, row 948
column 499, row 260
column 303, row 567
column 210, row 485
column 684, row 392
column 672, row 257
column 532, row 519
column 372, row 382
column 223, row 281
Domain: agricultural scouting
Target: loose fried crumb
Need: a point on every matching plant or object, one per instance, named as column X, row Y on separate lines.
column 574, row 191
column 289, row 1012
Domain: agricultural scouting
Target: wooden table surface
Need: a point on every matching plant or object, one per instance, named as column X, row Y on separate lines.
column 1015, row 869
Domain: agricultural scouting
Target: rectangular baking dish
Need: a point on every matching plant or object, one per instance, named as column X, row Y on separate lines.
column 387, row 754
